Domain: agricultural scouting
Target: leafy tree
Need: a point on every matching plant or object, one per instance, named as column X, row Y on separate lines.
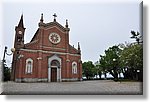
column 126, row 59
column 132, row 58
column 99, row 69
column 89, row 69
column 6, row 73
column 137, row 37
column 110, row 61
column 103, row 65
column 132, row 61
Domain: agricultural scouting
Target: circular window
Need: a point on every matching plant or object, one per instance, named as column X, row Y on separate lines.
column 54, row 38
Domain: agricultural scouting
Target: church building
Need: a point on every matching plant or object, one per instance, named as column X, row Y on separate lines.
column 48, row 57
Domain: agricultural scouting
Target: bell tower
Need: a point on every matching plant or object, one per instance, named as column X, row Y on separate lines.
column 19, row 35
column 18, row 43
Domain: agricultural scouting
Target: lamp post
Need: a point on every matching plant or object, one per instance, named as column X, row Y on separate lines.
column 6, row 53
column 115, row 70
column 138, row 74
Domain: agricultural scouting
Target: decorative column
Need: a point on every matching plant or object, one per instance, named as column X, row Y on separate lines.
column 80, row 76
column 39, row 65
column 67, row 49
column 49, row 73
column 60, row 72
column 20, row 71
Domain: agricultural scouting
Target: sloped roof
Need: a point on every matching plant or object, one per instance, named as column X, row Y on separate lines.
column 51, row 24
column 35, row 35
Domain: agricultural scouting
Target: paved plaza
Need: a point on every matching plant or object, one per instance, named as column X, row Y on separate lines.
column 101, row 87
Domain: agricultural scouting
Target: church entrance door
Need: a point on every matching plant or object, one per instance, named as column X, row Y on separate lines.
column 53, row 74
column 54, row 69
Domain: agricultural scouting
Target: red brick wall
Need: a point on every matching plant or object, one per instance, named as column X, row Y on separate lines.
column 44, row 67
column 46, row 41
column 40, row 66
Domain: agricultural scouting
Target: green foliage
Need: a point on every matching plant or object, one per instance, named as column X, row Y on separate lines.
column 132, row 61
column 100, row 70
column 89, row 69
column 132, row 56
column 128, row 59
column 110, row 61
column 6, row 73
column 137, row 36
column 124, row 58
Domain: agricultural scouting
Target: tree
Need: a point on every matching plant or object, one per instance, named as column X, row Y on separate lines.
column 132, row 58
column 103, row 65
column 6, row 73
column 89, row 69
column 100, row 71
column 108, row 63
column 137, row 37
column 124, row 58
column 132, row 61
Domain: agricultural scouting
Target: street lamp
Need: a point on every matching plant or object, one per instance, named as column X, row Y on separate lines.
column 115, row 70
column 114, row 59
column 138, row 71
column 6, row 53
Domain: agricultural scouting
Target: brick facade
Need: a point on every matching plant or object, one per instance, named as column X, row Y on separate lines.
column 47, row 57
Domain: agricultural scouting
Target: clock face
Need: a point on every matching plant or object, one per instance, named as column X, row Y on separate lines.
column 20, row 32
column 54, row 38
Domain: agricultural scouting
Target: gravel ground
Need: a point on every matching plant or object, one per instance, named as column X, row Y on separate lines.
column 101, row 87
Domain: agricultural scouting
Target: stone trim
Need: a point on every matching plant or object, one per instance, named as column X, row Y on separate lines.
column 74, row 67
column 43, row 80
column 47, row 26
column 29, row 70
column 70, row 79
column 53, row 48
column 31, row 80
column 50, row 59
column 61, row 53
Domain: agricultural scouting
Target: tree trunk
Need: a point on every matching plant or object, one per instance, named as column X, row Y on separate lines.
column 100, row 74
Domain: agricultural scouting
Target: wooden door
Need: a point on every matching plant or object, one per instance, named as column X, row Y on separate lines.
column 53, row 74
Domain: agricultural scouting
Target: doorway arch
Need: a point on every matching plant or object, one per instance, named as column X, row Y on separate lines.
column 54, row 69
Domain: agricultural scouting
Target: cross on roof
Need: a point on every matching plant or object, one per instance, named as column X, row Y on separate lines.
column 55, row 16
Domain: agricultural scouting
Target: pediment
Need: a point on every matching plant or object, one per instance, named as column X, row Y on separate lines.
column 52, row 24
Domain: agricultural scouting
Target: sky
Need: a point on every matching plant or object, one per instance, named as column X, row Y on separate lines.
column 95, row 24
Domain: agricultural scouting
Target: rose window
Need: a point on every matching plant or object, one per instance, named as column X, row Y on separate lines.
column 54, row 38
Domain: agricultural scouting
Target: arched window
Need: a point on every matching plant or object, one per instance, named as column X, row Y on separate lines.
column 55, row 63
column 29, row 66
column 74, row 67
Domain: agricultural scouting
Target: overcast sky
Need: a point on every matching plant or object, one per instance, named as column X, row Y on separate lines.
column 96, row 25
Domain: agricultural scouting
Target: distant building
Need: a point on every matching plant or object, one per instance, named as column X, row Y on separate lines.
column 48, row 57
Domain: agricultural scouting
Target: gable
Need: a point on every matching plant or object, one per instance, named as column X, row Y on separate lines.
column 54, row 24
column 54, row 37
column 42, row 37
